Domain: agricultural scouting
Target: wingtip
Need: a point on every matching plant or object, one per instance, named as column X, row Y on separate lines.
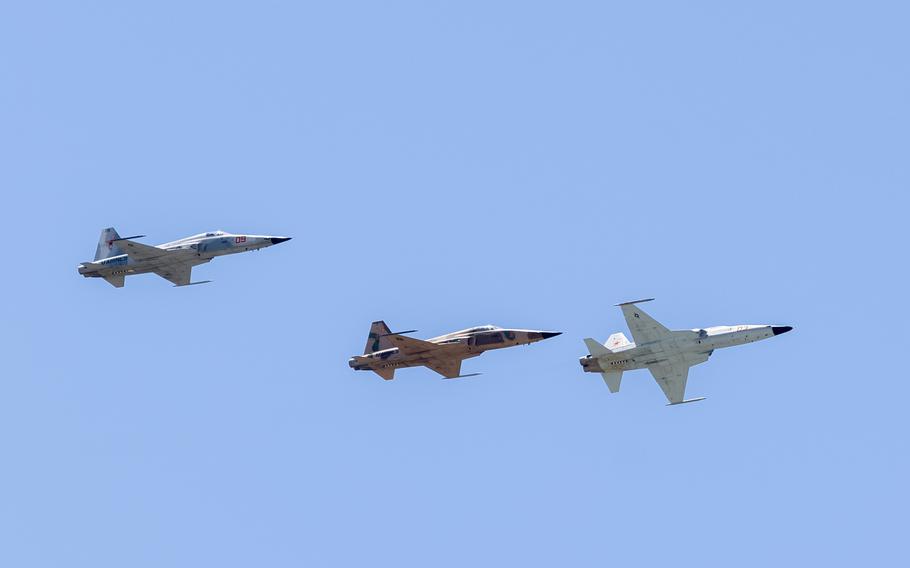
column 635, row 302
column 462, row 376
column 399, row 332
column 687, row 401
column 191, row 284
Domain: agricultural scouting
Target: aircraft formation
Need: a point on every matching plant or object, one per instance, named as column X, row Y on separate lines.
column 666, row 354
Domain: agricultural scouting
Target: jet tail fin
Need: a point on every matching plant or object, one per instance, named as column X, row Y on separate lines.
column 107, row 247
column 618, row 341
column 378, row 339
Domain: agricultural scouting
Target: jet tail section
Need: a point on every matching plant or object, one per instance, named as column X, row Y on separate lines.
column 378, row 339
column 107, row 247
column 611, row 378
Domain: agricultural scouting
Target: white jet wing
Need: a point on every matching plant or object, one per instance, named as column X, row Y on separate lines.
column 139, row 251
column 179, row 274
column 175, row 265
column 671, row 376
column 644, row 328
column 448, row 368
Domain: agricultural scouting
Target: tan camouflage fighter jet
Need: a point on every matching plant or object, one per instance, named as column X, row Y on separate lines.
column 386, row 351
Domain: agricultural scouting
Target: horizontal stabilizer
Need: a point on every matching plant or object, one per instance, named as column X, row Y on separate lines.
column 116, row 280
column 595, row 348
column 398, row 332
column 387, row 374
column 688, row 400
column 612, row 379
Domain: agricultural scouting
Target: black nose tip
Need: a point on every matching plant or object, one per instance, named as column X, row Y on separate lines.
column 779, row 329
column 276, row 240
column 549, row 334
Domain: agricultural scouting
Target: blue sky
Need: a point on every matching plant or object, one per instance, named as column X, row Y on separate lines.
column 441, row 165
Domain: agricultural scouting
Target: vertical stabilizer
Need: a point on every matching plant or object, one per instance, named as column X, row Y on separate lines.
column 618, row 341
column 378, row 338
column 106, row 245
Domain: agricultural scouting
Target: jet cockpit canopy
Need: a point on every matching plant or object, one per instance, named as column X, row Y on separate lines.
column 482, row 328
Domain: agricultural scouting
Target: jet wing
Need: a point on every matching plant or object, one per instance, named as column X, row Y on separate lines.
column 179, row 274
column 671, row 376
column 644, row 328
column 448, row 368
column 140, row 251
column 411, row 346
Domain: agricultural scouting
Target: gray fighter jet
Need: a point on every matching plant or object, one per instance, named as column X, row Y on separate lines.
column 667, row 354
column 386, row 351
column 117, row 257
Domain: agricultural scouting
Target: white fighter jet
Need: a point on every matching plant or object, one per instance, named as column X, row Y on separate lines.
column 117, row 257
column 667, row 354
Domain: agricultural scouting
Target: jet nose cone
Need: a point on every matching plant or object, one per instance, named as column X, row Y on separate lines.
column 277, row 240
column 779, row 329
column 549, row 334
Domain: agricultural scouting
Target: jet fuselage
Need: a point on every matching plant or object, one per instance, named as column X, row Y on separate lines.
column 463, row 344
column 198, row 249
column 694, row 346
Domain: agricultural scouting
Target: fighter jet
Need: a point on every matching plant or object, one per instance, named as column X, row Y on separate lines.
column 386, row 351
column 667, row 354
column 118, row 257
